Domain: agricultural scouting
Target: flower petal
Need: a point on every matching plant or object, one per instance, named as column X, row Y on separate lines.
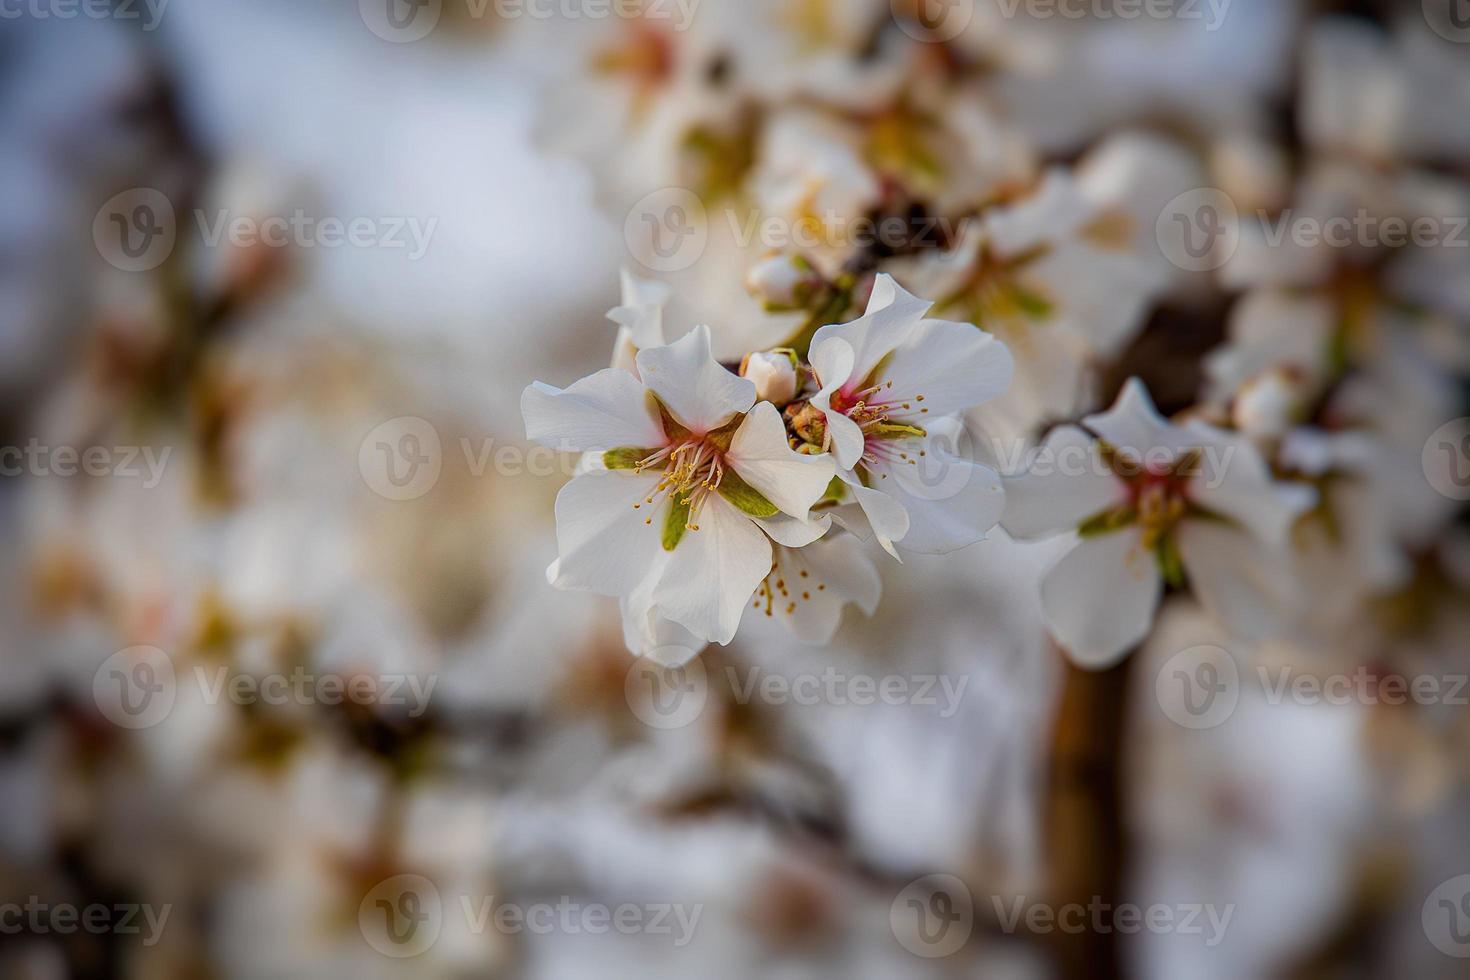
column 692, row 385
column 1065, row 484
column 761, row 455
column 1100, row 598
column 600, row 412
column 1242, row 584
column 793, row 533
column 1235, row 481
column 1135, row 425
column 886, row 516
column 832, row 359
column 810, row 587
column 892, row 316
column 603, row 542
column 951, row 500
column 640, row 319
column 648, row 633
column 713, row 572
column 945, row 368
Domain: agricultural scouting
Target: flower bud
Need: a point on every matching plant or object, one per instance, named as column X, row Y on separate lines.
column 774, row 376
column 1265, row 407
column 780, row 281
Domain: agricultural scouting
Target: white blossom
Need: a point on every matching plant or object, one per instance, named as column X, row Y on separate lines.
column 1152, row 503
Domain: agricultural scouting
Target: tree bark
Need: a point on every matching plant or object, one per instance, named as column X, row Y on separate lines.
column 1085, row 824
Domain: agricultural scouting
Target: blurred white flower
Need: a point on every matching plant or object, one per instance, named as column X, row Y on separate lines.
column 640, row 320
column 1060, row 277
column 1152, row 503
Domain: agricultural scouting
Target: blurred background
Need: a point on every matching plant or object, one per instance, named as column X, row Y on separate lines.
column 283, row 689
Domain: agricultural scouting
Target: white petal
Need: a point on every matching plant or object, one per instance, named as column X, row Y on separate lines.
column 1066, row 483
column 848, row 440
column 603, row 544
column 892, row 316
column 1242, row 584
column 761, row 455
column 832, row 359
column 951, row 501
column 693, row 386
column 886, row 516
column 1100, row 599
column 639, row 292
column 603, row 411
column 810, row 587
column 792, row 533
column 713, row 572
column 1053, row 211
column 648, row 633
column 1135, row 425
column 640, row 317
column 1099, row 295
column 951, row 366
column 1236, row 482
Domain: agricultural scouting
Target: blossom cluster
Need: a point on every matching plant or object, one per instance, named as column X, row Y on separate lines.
column 854, row 118
column 704, row 492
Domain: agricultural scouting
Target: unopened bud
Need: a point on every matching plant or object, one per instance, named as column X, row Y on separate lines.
column 1266, row 406
column 774, row 376
column 780, row 282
